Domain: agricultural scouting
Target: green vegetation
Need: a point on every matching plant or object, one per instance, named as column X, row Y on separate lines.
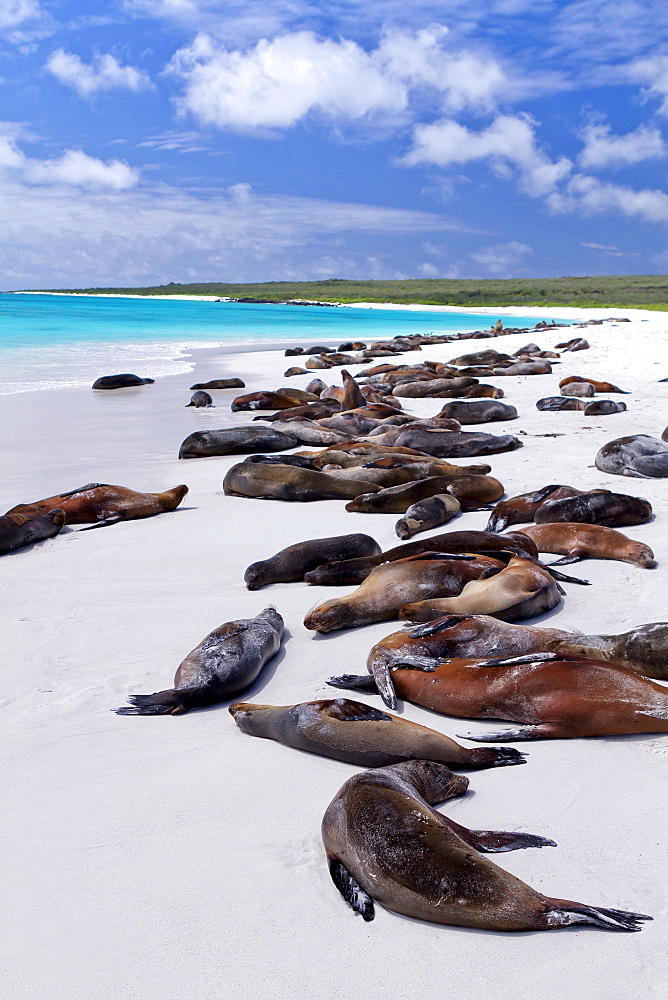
column 641, row 291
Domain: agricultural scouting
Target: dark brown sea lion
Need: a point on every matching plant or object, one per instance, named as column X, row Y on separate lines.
column 389, row 586
column 294, row 370
column 352, row 395
column 225, row 663
column 576, row 344
column 525, row 368
column 576, row 541
column 220, row 383
column 636, row 455
column 289, row 482
column 105, row 504
column 264, row 400
column 522, row 590
column 17, row 530
column 610, row 509
column 421, row 468
column 560, row 403
column 316, row 386
column 480, row 412
column 234, row 441
column 312, row 411
column 488, row 357
column 598, row 386
column 426, row 514
column 471, row 491
column 602, row 407
column 447, row 444
column 432, row 387
column 200, row 398
column 282, row 459
column 581, row 390
column 121, row 381
column 356, row 570
column 385, row 842
column 294, row 561
column 359, row 734
column 522, row 509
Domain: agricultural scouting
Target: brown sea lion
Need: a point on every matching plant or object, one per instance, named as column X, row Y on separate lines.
column 220, row 383
column 598, row 386
column 352, row 395
column 635, row 455
column 312, row 411
column 389, row 586
column 359, row 734
column 292, row 562
column 200, row 398
column 576, row 344
column 432, row 387
column 426, row 514
column 310, row 432
column 294, row 370
column 17, row 530
column 448, row 444
column 316, row 386
column 121, row 381
column 480, row 412
column 602, row 407
column 234, row 441
column 386, row 478
column 488, row 357
column 289, row 482
column 560, row 403
column 470, row 491
column 385, row 842
column 580, row 390
column 523, row 589
column 575, row 541
column 225, row 663
column 421, row 468
column 263, row 400
column 104, row 504
column 350, row 571
column 643, row 649
column 614, row 510
column 522, row 509
column 538, row 367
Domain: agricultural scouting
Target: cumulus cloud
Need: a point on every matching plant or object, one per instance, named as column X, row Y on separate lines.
column 501, row 258
column 589, row 195
column 73, row 169
column 105, row 73
column 15, row 12
column 509, row 141
column 653, row 72
column 603, row 149
column 277, row 82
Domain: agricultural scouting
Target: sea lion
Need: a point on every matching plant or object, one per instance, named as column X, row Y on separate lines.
column 282, row 459
column 359, row 734
column 431, row 387
column 470, row 491
column 580, row 390
column 522, row 509
column 602, row 407
column 560, row 403
column 426, row 514
column 488, row 357
column 465, row 444
column 312, row 411
column 316, row 386
column 385, row 842
column 576, row 344
column 292, row 562
column 636, row 455
column 235, row 440
column 350, row 571
column 220, row 383
column 310, row 432
column 523, row 589
column 104, row 504
column 225, row 663
column 17, row 530
column 121, row 381
column 389, row 586
column 422, row 468
column 614, row 510
column 386, row 478
column 643, row 649
column 289, row 482
column 481, row 412
column 351, row 396
column 575, row 541
column 525, row 368
column 598, row 386
column 200, row 398
column 294, row 370
column 263, row 400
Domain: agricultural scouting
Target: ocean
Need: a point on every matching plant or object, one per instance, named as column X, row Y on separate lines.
column 62, row 341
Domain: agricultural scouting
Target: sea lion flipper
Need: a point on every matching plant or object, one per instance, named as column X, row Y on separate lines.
column 564, row 561
column 354, row 682
column 496, row 841
column 440, row 625
column 385, row 684
column 351, row 890
column 102, row 524
column 82, row 489
column 556, row 575
column 425, row 663
column 546, row 731
column 563, row 912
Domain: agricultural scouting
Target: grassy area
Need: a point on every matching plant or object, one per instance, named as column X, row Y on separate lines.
column 641, row 291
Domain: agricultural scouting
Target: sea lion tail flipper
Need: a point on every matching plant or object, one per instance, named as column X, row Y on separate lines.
column 543, row 494
column 170, row 702
column 438, row 625
column 496, row 523
column 495, row 757
column 82, row 489
column 508, row 661
column 495, row 841
column 563, row 912
column 425, row 663
column 351, row 890
column 556, row 575
column 545, row 731
column 102, row 524
column 565, row 561
column 355, row 682
column 383, row 678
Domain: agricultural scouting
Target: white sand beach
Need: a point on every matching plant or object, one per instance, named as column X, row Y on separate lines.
column 169, row 858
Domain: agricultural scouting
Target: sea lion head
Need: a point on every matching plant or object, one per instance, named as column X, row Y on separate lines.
column 327, row 617
column 58, row 516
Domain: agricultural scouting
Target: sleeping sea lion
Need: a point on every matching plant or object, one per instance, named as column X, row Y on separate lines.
column 470, row 491
column 312, row 411
column 599, row 507
column 598, row 386
column 235, row 440
column 522, row 509
column 292, row 562
column 426, row 514
column 488, row 357
column 432, row 387
column 389, row 586
column 581, row 390
column 121, row 381
column 263, row 400
column 200, row 398
column 17, row 530
column 560, row 403
column 225, row 663
column 602, row 407
column 359, row 734
column 385, row 842
column 575, row 540
column 576, row 344
column 523, row 589
column 465, row 444
column 105, row 504
column 220, row 383
column 636, row 455
column 307, row 431
column 289, row 482
column 480, row 412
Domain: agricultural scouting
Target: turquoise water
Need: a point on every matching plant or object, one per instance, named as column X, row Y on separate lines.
column 54, row 341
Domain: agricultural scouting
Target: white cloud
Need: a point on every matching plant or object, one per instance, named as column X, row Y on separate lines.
column 73, row 169
column 589, row 195
column 653, row 72
column 277, row 82
column 602, row 149
column 15, row 12
column 508, row 142
column 106, row 73
column 501, row 257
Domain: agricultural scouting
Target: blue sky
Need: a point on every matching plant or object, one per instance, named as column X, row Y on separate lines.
column 182, row 140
